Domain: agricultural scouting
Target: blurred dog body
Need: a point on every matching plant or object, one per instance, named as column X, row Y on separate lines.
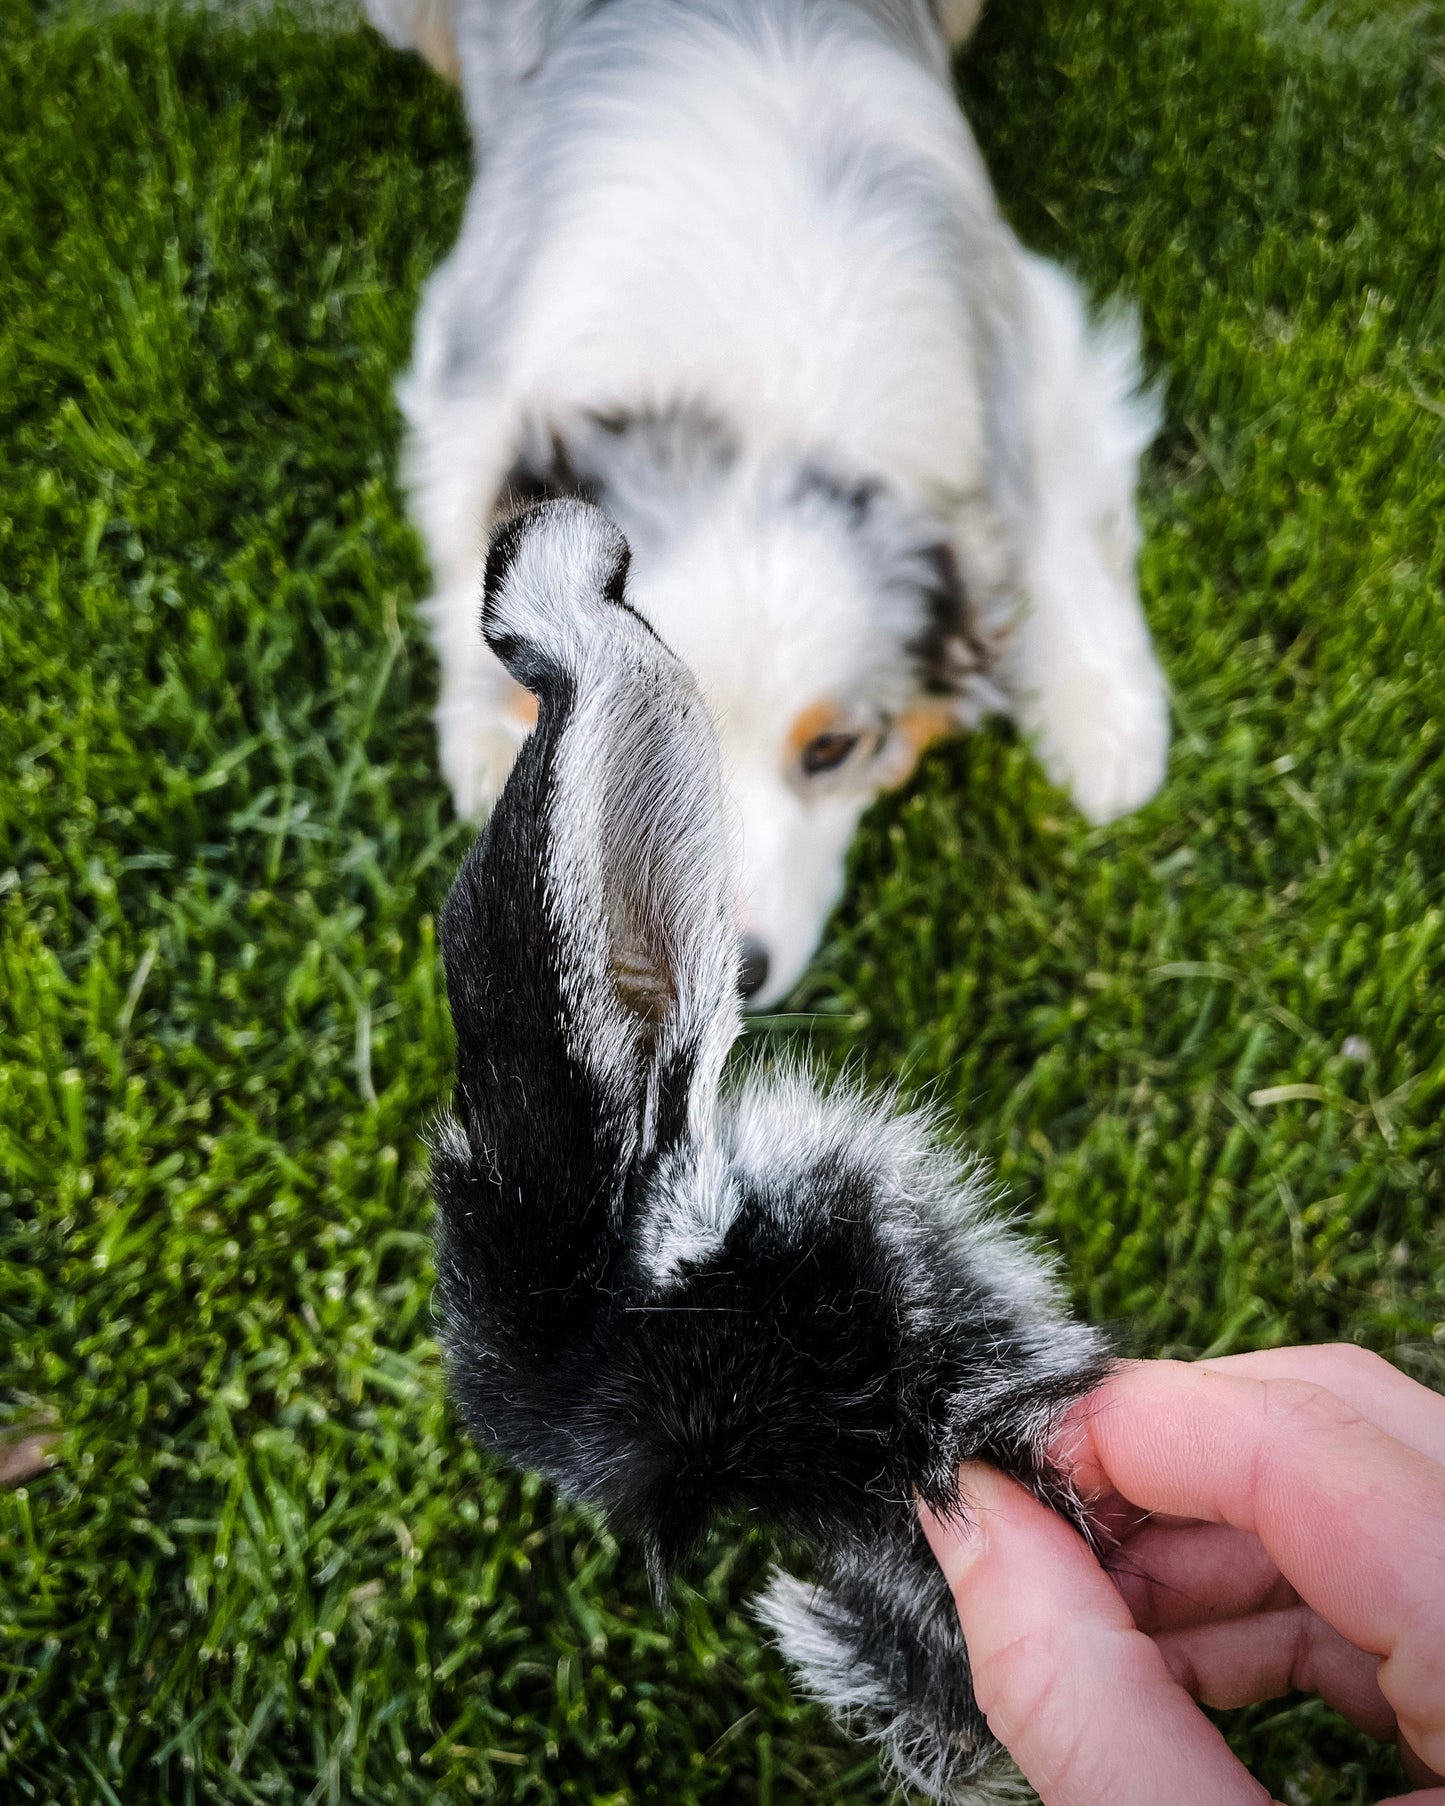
column 734, row 270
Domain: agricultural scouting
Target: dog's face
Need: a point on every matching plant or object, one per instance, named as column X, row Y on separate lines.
column 827, row 628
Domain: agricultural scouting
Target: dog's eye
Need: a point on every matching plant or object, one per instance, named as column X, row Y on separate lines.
column 827, row 752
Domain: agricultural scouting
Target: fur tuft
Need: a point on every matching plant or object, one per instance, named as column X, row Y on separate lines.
column 544, row 592
column 678, row 1300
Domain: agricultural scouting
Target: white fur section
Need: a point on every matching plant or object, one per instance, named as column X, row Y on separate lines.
column 695, row 254
column 830, row 1668
column 708, row 251
column 690, row 256
column 1088, row 683
column 552, row 596
column 830, row 1673
column 633, row 813
column 638, row 834
column 694, row 1202
column 767, row 604
column 782, row 1122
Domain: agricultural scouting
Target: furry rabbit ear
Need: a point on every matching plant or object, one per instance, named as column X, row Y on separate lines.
column 629, row 840
column 590, row 951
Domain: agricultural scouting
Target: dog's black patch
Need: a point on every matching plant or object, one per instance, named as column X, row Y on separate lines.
column 501, row 551
column 600, row 454
column 946, row 642
column 948, row 626
column 615, row 588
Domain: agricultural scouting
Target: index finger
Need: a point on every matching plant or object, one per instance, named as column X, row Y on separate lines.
column 1082, row 1700
column 1387, row 1398
column 1351, row 1517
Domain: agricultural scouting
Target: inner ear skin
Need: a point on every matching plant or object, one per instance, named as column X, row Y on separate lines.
column 640, row 973
column 522, row 706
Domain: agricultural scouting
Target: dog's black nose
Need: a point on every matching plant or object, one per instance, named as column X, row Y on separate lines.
column 753, row 972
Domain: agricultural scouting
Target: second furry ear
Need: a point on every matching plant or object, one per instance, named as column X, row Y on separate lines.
column 604, row 871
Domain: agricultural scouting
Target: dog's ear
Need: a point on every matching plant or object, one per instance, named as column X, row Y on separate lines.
column 951, row 653
column 590, row 950
column 951, row 661
column 916, row 570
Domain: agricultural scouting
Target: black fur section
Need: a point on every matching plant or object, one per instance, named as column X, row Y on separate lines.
column 948, row 628
column 601, row 453
column 502, row 550
column 791, row 1375
column 678, row 422
column 852, row 497
column 817, row 1343
column 615, row 589
column 524, row 1239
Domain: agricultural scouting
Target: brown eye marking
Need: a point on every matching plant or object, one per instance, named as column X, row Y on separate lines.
column 818, row 718
column 522, row 706
column 820, row 739
column 826, row 752
column 915, row 730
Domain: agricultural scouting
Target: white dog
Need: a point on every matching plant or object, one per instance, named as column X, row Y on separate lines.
column 733, row 269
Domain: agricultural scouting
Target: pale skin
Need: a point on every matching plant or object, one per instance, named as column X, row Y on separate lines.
column 1280, row 1519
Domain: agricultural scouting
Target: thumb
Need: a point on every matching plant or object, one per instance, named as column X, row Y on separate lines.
column 1080, row 1698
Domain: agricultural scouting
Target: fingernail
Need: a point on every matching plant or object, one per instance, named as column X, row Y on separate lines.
column 1071, row 1447
column 959, row 1541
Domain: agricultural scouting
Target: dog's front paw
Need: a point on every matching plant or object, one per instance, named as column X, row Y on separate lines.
column 478, row 746
column 1103, row 733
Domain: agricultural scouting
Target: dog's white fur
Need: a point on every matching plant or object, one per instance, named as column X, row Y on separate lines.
column 773, row 210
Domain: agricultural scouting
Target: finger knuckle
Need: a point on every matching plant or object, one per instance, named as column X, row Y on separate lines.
column 1075, row 1769
column 1032, row 1701
column 1293, row 1405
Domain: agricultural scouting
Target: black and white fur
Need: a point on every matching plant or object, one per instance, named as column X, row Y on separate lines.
column 679, row 1298
column 734, row 269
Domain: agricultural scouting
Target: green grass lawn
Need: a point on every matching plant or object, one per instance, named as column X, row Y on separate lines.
column 1205, row 1048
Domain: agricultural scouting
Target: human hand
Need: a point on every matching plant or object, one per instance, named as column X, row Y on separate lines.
column 1281, row 1525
